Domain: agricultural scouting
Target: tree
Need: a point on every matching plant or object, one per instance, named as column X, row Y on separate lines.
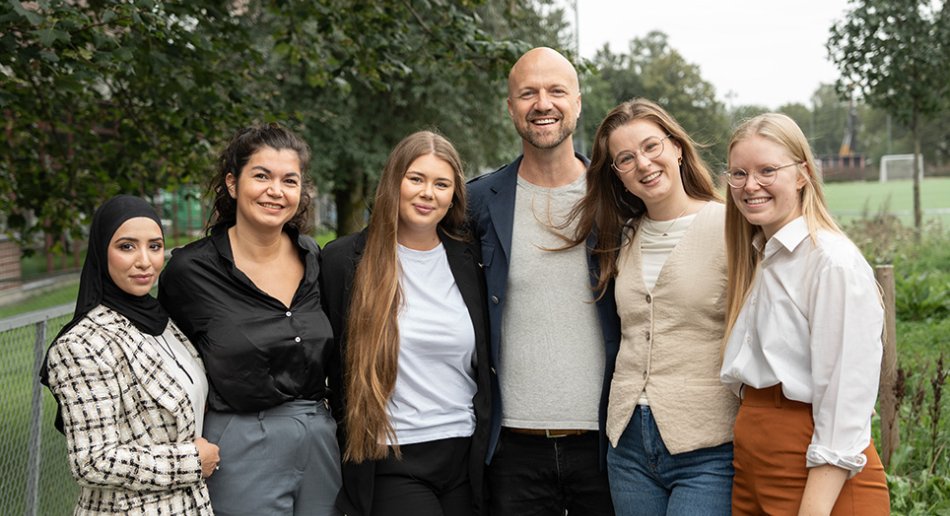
column 829, row 119
column 358, row 77
column 897, row 56
column 654, row 70
column 101, row 97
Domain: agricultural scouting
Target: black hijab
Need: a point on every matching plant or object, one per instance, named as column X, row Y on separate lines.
column 96, row 286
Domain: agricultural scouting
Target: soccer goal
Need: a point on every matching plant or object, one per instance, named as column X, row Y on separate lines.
column 900, row 166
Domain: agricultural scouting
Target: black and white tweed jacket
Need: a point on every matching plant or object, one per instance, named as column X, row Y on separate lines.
column 130, row 426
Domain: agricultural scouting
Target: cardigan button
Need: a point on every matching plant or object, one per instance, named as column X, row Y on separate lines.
column 648, row 335
column 649, row 298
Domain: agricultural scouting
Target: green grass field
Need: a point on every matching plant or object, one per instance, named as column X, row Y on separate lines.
column 851, row 200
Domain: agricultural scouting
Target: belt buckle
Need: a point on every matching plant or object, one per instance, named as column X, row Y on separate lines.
column 555, row 435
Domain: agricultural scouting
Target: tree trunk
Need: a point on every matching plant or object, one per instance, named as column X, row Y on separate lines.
column 918, row 216
column 350, row 204
column 48, row 247
column 887, row 395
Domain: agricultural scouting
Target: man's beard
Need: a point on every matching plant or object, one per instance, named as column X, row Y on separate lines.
column 546, row 142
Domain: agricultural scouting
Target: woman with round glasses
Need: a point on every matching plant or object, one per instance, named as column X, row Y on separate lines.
column 659, row 221
column 803, row 338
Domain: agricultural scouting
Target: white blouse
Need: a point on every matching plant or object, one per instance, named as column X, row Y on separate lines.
column 813, row 321
column 189, row 372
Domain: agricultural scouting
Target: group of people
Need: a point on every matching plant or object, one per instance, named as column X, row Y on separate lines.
column 560, row 336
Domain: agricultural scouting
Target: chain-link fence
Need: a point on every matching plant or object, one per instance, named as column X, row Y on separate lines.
column 34, row 474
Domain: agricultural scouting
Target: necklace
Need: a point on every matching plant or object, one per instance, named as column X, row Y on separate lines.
column 166, row 347
column 668, row 228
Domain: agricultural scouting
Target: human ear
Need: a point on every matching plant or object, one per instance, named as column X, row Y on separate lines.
column 231, row 183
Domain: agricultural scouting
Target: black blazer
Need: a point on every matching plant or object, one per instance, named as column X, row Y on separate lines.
column 340, row 258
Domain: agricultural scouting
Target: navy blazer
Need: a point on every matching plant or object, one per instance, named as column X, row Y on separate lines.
column 491, row 208
column 340, row 259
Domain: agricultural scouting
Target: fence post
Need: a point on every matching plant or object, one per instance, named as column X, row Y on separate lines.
column 36, row 424
column 890, row 436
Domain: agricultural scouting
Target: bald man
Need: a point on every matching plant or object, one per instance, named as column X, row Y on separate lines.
column 552, row 347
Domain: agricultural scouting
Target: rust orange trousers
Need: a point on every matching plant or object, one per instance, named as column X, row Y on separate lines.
column 772, row 434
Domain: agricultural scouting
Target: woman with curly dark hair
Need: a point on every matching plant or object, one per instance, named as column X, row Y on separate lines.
column 248, row 296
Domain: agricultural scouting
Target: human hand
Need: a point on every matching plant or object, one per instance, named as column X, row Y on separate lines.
column 208, row 456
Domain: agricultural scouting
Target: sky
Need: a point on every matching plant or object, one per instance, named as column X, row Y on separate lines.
column 763, row 52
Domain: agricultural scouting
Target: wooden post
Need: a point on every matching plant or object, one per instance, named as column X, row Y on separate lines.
column 890, row 435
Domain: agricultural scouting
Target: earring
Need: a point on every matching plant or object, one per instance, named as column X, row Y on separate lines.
column 451, row 204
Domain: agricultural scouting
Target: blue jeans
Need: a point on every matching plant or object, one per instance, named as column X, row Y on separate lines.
column 538, row 476
column 645, row 479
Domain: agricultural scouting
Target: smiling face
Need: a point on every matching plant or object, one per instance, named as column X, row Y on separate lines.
column 655, row 181
column 136, row 254
column 267, row 190
column 425, row 194
column 544, row 98
column 773, row 206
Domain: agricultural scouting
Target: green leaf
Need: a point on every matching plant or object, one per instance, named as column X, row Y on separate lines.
column 34, row 18
column 50, row 36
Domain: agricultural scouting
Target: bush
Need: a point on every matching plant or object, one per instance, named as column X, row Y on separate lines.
column 921, row 269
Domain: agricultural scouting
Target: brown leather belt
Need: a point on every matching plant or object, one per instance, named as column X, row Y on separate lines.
column 543, row 432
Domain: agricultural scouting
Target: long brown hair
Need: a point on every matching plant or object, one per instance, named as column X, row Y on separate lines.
column 607, row 205
column 371, row 357
column 741, row 256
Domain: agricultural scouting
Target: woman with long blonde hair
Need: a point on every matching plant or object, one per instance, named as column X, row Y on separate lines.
column 406, row 300
column 803, row 341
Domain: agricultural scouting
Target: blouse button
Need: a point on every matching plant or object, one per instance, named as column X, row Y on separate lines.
column 296, row 339
column 494, row 299
column 288, row 314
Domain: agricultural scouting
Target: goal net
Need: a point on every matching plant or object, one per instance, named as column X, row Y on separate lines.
column 899, row 166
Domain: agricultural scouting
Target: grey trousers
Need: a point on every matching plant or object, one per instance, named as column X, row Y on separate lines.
column 280, row 461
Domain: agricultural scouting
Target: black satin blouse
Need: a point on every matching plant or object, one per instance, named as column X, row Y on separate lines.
column 258, row 353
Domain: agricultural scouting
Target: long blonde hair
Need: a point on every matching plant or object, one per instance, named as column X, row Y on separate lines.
column 741, row 256
column 607, row 205
column 372, row 333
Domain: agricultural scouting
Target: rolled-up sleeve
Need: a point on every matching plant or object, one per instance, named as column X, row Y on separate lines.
column 846, row 318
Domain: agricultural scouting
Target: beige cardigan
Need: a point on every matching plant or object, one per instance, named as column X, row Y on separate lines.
column 671, row 339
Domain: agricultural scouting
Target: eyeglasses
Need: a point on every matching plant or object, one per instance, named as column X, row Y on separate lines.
column 765, row 176
column 651, row 148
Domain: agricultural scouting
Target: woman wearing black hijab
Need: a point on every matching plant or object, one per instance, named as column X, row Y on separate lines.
column 128, row 383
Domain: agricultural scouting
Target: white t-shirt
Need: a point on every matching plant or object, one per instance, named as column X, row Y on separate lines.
column 435, row 382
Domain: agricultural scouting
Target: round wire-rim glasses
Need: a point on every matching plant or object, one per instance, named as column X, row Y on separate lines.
column 764, row 177
column 651, row 148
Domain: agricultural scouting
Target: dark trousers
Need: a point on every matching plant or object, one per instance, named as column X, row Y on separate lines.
column 541, row 476
column 430, row 480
